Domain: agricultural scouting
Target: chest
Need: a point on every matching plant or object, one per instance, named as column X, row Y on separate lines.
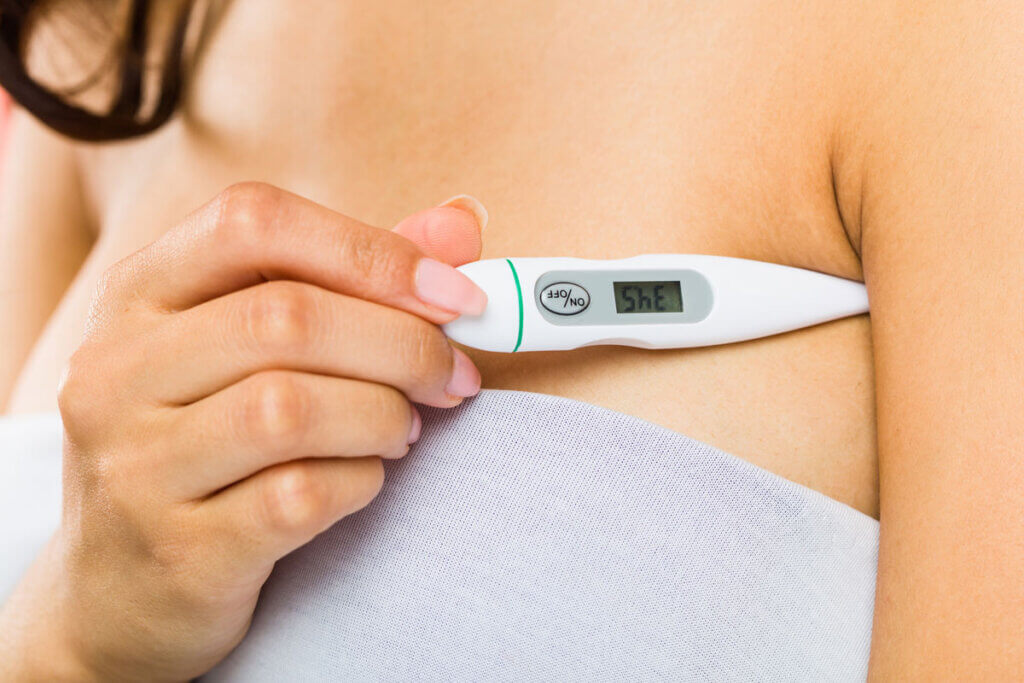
column 601, row 130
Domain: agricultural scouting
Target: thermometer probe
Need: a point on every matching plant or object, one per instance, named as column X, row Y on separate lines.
column 653, row 301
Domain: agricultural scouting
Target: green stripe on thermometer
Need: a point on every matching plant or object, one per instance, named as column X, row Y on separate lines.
column 519, row 293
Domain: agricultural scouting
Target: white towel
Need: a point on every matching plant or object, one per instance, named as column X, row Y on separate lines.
column 534, row 537
column 30, row 463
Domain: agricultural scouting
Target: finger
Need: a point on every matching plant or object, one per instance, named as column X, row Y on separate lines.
column 277, row 416
column 268, row 515
column 447, row 233
column 254, row 232
column 290, row 325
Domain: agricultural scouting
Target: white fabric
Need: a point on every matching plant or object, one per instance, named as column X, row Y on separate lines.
column 534, row 537
column 30, row 462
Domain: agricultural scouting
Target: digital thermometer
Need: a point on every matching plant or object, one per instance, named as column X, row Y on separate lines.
column 654, row 301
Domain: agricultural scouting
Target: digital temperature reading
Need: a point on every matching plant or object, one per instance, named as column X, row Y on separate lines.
column 648, row 297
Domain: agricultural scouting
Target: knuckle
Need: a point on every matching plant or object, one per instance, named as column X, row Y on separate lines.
column 71, row 393
column 426, row 354
column 78, row 394
column 244, row 211
column 281, row 316
column 373, row 259
column 295, row 499
column 277, row 408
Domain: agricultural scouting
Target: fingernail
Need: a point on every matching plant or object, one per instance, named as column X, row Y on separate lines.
column 417, row 424
column 465, row 379
column 441, row 285
column 471, row 204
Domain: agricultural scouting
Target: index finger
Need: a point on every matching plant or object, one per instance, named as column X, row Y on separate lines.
column 254, row 232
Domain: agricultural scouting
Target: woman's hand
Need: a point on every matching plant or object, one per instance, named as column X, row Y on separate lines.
column 240, row 380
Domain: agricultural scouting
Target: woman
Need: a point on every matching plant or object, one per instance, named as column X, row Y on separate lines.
column 244, row 368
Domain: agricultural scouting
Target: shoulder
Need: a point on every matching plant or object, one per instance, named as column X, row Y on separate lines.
column 931, row 86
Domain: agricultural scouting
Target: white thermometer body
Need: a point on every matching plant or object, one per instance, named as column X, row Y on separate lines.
column 654, row 301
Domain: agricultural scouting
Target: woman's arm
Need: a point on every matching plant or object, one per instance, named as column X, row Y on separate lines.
column 44, row 237
column 941, row 233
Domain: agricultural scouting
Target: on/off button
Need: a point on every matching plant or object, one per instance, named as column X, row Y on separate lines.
column 565, row 298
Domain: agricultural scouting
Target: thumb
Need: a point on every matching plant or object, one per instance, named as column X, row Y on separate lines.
column 450, row 232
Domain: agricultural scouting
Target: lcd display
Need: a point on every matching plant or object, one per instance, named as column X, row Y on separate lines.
column 648, row 297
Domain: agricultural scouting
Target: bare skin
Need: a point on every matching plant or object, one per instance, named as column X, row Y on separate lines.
column 813, row 136
column 640, row 190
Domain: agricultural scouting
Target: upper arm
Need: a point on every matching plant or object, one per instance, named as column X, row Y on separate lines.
column 44, row 237
column 941, row 234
